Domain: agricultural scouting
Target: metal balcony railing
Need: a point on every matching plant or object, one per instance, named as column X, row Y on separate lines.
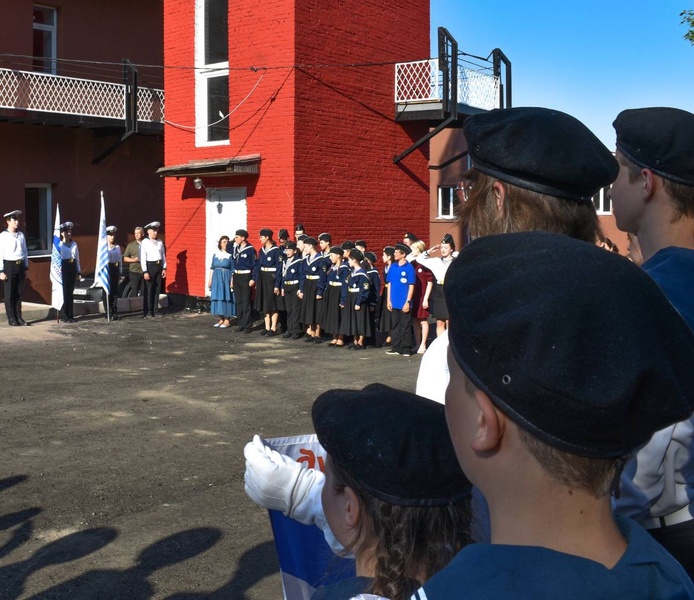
column 43, row 92
column 421, row 82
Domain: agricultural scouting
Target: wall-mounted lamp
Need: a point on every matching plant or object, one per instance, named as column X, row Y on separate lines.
column 197, row 182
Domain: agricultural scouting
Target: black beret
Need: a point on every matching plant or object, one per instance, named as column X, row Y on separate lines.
column 299, row 227
column 283, row 234
column 337, row 250
column 266, row 232
column 356, row 255
column 325, row 237
column 659, row 139
column 578, row 346
column 371, row 257
column 393, row 443
column 411, row 236
column 403, row 248
column 389, row 250
column 542, row 150
column 242, row 233
column 448, row 239
column 361, row 243
column 348, row 245
column 290, row 245
column 310, row 240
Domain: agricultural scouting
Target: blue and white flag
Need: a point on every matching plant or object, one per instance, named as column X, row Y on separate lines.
column 101, row 270
column 56, row 271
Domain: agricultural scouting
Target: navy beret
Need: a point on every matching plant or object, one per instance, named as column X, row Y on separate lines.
column 448, row 239
column 542, row 150
column 299, row 227
column 283, row 234
column 394, row 443
column 389, row 250
column 266, row 232
column 577, row 345
column 371, row 257
column 361, row 243
column 325, row 237
column 242, row 233
column 337, row 250
column 290, row 245
column 411, row 236
column 404, row 248
column 659, row 139
column 356, row 255
column 310, row 240
column 348, row 245
column 301, row 238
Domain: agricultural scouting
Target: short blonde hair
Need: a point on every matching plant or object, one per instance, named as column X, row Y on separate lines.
column 420, row 245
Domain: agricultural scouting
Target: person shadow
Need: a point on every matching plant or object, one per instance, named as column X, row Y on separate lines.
column 112, row 584
column 253, row 566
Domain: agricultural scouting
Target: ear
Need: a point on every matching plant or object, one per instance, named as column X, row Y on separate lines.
column 491, row 424
column 649, row 183
column 352, row 507
column 499, row 191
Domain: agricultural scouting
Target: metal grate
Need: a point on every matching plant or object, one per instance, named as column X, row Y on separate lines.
column 72, row 96
column 421, row 81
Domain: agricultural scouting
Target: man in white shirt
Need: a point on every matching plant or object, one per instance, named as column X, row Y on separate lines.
column 153, row 260
column 14, row 263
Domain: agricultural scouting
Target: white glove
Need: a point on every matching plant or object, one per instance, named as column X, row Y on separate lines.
column 277, row 482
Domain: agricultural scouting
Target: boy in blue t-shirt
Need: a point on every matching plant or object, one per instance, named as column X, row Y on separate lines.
column 400, row 282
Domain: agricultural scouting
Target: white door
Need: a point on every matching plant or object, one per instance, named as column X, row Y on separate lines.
column 226, row 211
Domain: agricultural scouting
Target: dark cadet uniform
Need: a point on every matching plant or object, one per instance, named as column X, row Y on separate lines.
column 244, row 264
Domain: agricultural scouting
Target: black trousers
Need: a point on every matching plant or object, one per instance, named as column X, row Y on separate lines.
column 152, row 288
column 401, row 333
column 244, row 304
column 292, row 304
column 16, row 274
column 113, row 277
column 69, row 271
column 678, row 540
column 136, row 280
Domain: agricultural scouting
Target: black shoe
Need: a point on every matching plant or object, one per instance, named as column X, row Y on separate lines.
column 271, row 333
column 391, row 351
column 247, row 330
column 286, row 335
column 12, row 323
column 309, row 339
column 318, row 340
column 297, row 336
column 22, row 322
column 263, row 332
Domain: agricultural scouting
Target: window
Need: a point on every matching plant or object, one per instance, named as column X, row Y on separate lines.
column 603, row 205
column 44, row 50
column 37, row 218
column 212, row 82
column 448, row 202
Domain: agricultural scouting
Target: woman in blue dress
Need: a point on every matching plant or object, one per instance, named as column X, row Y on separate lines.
column 219, row 284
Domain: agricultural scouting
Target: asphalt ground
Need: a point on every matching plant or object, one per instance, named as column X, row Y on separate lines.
column 122, row 452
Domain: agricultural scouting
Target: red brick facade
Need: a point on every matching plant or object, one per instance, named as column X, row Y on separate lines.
column 326, row 132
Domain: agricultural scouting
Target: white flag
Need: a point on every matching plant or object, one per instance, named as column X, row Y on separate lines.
column 56, row 270
column 101, row 270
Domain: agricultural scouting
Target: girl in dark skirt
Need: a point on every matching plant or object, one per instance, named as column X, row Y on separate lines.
column 308, row 288
column 268, row 275
column 354, row 301
column 439, row 266
column 337, row 274
column 375, row 295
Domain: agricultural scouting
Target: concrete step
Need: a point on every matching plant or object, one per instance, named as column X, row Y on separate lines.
column 40, row 312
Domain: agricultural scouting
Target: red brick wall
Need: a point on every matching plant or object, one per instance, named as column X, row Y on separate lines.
column 326, row 135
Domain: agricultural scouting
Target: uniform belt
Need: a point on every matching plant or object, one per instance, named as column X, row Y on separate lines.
column 69, row 260
column 115, row 264
column 312, row 277
column 268, row 268
column 291, row 282
column 15, row 262
column 153, row 262
column 242, row 272
column 679, row 516
column 335, row 283
column 353, row 290
column 440, row 281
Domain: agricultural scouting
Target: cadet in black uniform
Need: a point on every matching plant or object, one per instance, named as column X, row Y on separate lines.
column 267, row 274
column 70, row 269
column 115, row 270
column 354, row 301
column 244, row 263
column 314, row 271
column 374, row 295
column 337, row 274
column 14, row 263
column 292, row 270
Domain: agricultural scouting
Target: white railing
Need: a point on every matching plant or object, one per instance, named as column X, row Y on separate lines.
column 421, row 81
column 71, row 96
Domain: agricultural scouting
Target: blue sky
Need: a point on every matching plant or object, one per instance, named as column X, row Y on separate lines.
column 590, row 59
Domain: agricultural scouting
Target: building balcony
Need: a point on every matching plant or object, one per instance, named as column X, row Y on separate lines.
column 420, row 93
column 32, row 97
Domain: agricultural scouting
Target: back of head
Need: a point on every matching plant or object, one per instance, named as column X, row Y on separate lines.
column 536, row 321
column 551, row 166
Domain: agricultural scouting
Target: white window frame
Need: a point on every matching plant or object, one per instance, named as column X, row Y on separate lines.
column 446, row 199
column 47, row 210
column 604, row 204
column 53, row 29
column 203, row 72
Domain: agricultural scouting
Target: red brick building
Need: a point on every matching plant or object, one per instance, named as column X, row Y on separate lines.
column 311, row 132
column 65, row 127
